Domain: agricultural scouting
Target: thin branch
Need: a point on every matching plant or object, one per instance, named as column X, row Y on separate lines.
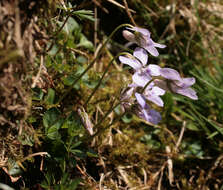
column 129, row 13
column 39, row 72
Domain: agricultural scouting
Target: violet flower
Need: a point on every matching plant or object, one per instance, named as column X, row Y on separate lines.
column 142, row 38
column 138, row 61
column 145, row 112
column 173, row 82
column 153, row 94
column 143, row 74
column 141, row 77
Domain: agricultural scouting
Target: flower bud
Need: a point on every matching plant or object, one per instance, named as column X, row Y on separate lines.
column 86, row 121
column 128, row 36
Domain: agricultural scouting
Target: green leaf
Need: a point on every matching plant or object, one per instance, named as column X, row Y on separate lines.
column 84, row 42
column 49, row 99
column 73, row 124
column 168, row 104
column 52, row 132
column 192, row 126
column 78, row 153
column 74, row 183
column 14, row 170
column 70, row 25
column 84, row 14
column 68, row 80
column 92, row 153
column 50, row 117
column 37, row 94
column 81, row 59
column 53, row 50
column 127, row 118
column 52, row 122
column 26, row 139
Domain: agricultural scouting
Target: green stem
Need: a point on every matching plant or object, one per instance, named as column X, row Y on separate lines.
column 99, row 83
column 93, row 61
column 148, row 83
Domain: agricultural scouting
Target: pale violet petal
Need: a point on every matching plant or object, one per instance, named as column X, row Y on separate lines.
column 189, row 92
column 150, row 115
column 153, row 95
column 131, row 62
column 141, row 79
column 158, row 91
column 140, row 99
column 155, row 99
column 155, row 117
column 143, row 31
column 170, row 74
column 141, row 54
column 127, row 93
column 185, row 82
column 152, row 50
column 158, row 45
column 154, row 70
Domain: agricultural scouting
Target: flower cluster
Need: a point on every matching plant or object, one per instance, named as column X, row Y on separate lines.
column 150, row 81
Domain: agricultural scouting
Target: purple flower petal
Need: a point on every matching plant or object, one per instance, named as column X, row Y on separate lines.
column 154, row 70
column 140, row 99
column 150, row 115
column 141, row 78
column 170, row 74
column 152, row 50
column 155, row 99
column 158, row 45
column 185, row 82
column 131, row 62
column 153, row 95
column 143, row 31
column 189, row 92
column 141, row 54
column 158, row 91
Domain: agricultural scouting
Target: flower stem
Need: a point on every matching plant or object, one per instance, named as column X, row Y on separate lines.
column 93, row 61
column 99, row 83
column 148, row 83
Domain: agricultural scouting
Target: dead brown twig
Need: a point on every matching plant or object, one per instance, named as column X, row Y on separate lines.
column 129, row 13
